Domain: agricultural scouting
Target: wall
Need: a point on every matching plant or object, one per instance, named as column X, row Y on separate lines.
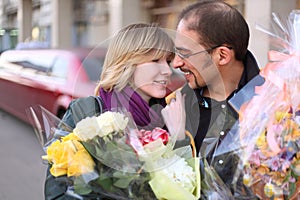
column 261, row 15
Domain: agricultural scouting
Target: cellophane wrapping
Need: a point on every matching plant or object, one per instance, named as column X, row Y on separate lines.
column 106, row 157
column 269, row 124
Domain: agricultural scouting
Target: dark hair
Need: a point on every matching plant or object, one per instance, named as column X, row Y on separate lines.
column 218, row 23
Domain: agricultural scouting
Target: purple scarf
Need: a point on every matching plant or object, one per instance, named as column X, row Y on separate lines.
column 145, row 117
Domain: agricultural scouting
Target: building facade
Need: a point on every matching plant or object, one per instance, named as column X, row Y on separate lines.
column 73, row 23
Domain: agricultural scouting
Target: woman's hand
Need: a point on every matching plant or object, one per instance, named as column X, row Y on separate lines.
column 174, row 116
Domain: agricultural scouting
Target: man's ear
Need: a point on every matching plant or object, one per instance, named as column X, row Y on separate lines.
column 225, row 55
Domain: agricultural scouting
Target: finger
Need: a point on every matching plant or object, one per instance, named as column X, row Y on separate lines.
column 183, row 99
column 165, row 112
column 178, row 95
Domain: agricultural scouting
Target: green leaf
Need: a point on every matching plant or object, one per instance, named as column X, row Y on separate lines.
column 123, row 183
column 81, row 187
column 292, row 189
column 106, row 183
column 120, row 174
column 89, row 147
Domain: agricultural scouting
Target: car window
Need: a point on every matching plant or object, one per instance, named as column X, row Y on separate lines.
column 60, row 67
column 39, row 62
column 93, row 67
column 30, row 65
column 10, row 67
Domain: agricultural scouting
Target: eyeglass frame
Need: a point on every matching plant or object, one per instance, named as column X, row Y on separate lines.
column 186, row 56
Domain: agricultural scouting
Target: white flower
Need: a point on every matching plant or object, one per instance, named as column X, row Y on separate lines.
column 103, row 125
column 110, row 122
column 178, row 170
column 87, row 128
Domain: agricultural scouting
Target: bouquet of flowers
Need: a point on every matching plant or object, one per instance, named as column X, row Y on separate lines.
column 269, row 124
column 107, row 156
column 274, row 162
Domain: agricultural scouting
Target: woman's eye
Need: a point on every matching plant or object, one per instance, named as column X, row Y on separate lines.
column 156, row 60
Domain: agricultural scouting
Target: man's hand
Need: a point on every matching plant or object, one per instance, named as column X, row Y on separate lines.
column 174, row 116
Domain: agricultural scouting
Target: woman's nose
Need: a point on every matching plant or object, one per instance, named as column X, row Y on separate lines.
column 166, row 69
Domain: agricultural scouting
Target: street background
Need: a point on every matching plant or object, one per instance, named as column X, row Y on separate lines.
column 31, row 23
column 21, row 170
column 87, row 23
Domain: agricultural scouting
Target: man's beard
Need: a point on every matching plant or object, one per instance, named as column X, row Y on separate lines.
column 207, row 64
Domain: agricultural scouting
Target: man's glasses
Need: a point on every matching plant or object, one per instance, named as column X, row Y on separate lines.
column 185, row 56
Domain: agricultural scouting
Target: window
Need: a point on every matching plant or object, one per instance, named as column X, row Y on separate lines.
column 60, row 68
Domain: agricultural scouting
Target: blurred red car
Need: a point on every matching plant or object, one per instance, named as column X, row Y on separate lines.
column 47, row 77
column 52, row 78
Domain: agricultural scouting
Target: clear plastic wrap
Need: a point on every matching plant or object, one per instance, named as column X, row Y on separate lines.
column 269, row 124
column 106, row 156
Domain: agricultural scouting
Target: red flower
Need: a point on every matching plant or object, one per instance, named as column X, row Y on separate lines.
column 147, row 137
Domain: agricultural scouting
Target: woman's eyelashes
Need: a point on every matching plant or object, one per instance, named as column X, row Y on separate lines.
column 155, row 60
column 169, row 61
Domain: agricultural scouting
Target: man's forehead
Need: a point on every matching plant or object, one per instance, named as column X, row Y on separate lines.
column 187, row 40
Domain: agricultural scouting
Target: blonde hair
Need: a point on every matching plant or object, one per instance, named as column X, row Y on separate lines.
column 133, row 45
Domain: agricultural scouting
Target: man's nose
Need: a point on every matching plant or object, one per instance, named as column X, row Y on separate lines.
column 177, row 62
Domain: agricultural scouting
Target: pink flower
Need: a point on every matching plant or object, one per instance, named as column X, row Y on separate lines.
column 147, row 137
column 274, row 163
column 255, row 158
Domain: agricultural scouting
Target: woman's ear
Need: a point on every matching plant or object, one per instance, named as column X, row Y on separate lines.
column 225, row 55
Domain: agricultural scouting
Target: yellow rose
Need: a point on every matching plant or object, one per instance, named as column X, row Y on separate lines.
column 70, row 136
column 81, row 163
column 51, row 151
column 58, row 170
column 62, row 153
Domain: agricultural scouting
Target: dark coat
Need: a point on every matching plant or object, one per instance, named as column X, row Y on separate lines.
column 210, row 122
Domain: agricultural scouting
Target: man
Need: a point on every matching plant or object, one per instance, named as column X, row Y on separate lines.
column 211, row 49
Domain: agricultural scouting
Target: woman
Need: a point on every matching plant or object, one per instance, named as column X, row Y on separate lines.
column 136, row 72
column 135, row 75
